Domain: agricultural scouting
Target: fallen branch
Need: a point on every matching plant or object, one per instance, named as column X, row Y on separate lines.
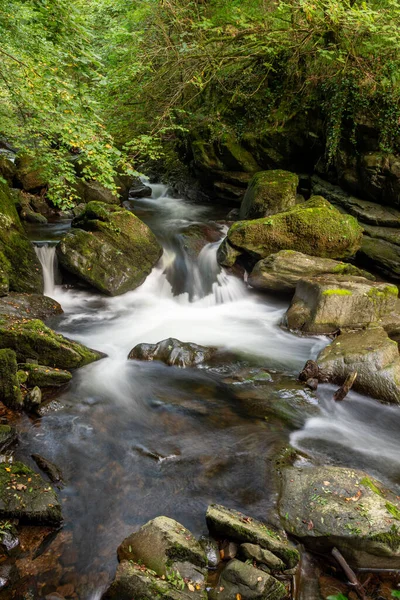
column 348, row 571
column 342, row 392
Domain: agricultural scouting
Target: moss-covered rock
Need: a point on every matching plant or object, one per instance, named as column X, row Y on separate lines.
column 269, row 192
column 32, row 339
column 281, row 272
column 10, row 393
column 328, row 303
column 165, row 546
column 8, row 436
column 240, row 580
column 7, row 168
column 109, row 248
column 226, row 522
column 326, row 507
column 227, row 254
column 18, row 263
column 25, row 496
column 29, row 174
column 29, row 306
column 314, row 227
column 42, row 376
column 89, row 191
column 372, row 354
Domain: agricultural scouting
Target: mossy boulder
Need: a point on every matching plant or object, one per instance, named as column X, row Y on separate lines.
column 227, row 254
column 327, row 507
column 42, row 376
column 25, row 496
column 165, row 546
column 372, row 354
column 282, row 271
column 8, row 437
column 241, row 580
column 109, row 248
column 173, row 353
column 314, row 227
column 20, row 269
column 29, row 174
column 269, row 192
column 10, row 393
column 29, row 306
column 89, row 191
column 135, row 581
column 226, row 522
column 32, row 339
column 323, row 305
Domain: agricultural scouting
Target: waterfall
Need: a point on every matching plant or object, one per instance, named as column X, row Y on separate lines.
column 46, row 254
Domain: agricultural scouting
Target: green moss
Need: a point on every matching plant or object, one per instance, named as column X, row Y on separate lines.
column 390, row 538
column 394, row 511
column 43, row 376
column 367, row 482
column 338, row 292
column 10, row 393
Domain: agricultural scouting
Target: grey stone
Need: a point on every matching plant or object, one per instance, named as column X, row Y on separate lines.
column 247, row 582
column 173, row 353
column 262, row 556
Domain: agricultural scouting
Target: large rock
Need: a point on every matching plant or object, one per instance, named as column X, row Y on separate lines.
column 29, row 306
column 325, row 304
column 381, row 253
column 10, row 393
column 282, row 271
column 314, row 227
column 133, row 581
column 240, row 580
column 166, row 547
column 326, row 507
column 173, row 352
column 269, row 192
column 29, row 174
column 372, row 354
column 32, row 339
column 25, row 496
column 20, row 270
column 109, row 248
column 89, row 191
column 226, row 522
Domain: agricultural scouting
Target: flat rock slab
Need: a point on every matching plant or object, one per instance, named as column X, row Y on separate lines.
column 364, row 210
column 281, row 272
column 226, row 522
column 322, row 305
column 133, row 581
column 29, row 306
column 372, row 354
column 25, row 496
column 240, row 580
column 326, row 507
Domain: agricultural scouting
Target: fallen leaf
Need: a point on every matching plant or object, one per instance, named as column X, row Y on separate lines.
column 191, row 587
column 354, row 498
column 222, row 554
column 238, row 596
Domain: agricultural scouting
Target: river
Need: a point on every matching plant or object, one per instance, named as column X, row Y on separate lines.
column 136, row 439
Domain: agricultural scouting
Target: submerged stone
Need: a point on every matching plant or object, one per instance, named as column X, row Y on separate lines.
column 281, row 272
column 230, row 523
column 25, row 496
column 372, row 354
column 109, row 248
column 314, row 227
column 173, row 352
column 326, row 507
column 268, row 193
column 323, row 305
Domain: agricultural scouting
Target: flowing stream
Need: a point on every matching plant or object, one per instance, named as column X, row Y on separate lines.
column 138, row 439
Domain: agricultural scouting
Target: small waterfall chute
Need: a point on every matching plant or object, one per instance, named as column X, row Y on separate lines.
column 46, row 254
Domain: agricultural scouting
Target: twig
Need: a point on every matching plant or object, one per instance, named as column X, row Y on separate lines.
column 351, row 576
column 342, row 392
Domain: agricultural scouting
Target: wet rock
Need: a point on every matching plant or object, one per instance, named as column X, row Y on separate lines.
column 332, row 506
column 109, row 248
column 282, row 271
column 92, row 191
column 310, row 371
column 135, row 581
column 32, row 339
column 372, row 354
column 8, row 575
column 239, row 580
column 210, row 547
column 165, row 546
column 322, row 305
column 196, row 236
column 226, row 522
column 25, row 496
column 255, row 553
column 227, row 254
column 42, row 376
column 228, row 550
column 139, row 189
column 314, row 227
column 268, row 193
column 8, row 436
column 10, row 393
column 29, row 306
column 33, row 398
column 173, row 352
column 51, row 470
column 20, row 270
